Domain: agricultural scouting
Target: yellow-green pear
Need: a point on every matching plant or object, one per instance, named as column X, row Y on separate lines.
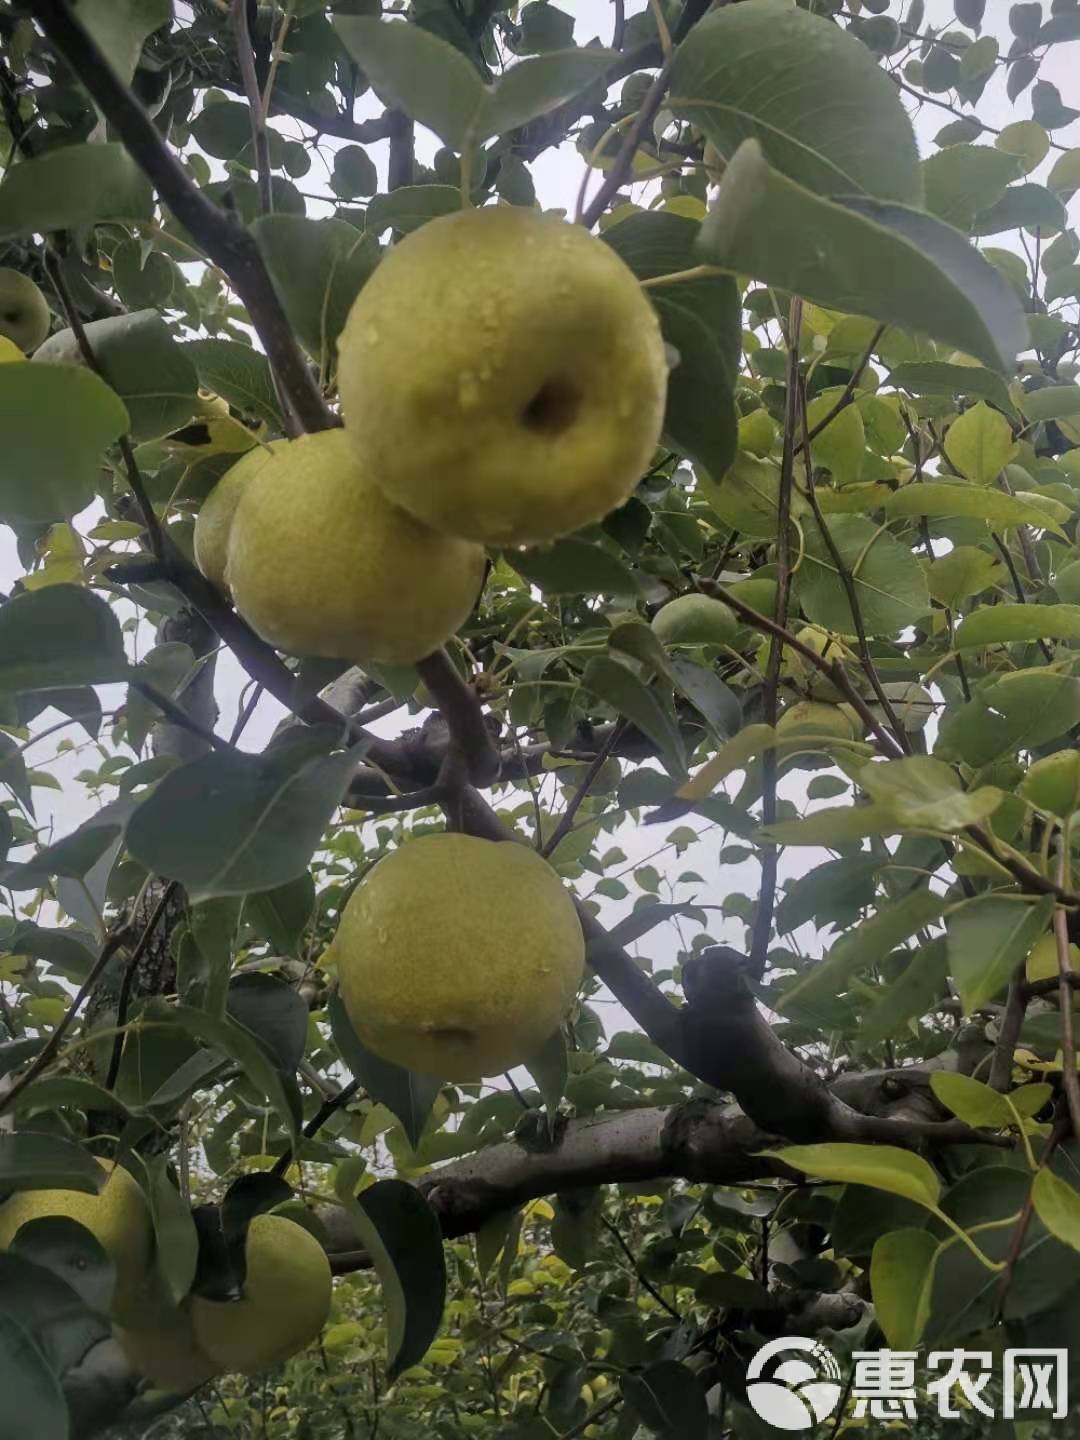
column 1053, row 783
column 213, row 524
column 162, row 1348
column 814, row 717
column 286, row 1300
column 24, row 311
column 118, row 1216
column 458, row 957
column 320, row 563
column 503, row 377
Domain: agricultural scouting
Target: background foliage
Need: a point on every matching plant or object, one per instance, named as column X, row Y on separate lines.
column 872, row 450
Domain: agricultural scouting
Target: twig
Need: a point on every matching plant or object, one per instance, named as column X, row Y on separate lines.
column 1018, row 588
column 245, row 55
column 317, row 1121
column 618, row 31
column 124, row 998
column 847, row 395
column 574, row 804
column 1016, row 1242
column 247, row 709
column 1016, row 1003
column 763, row 916
column 179, row 716
column 847, row 579
column 402, row 164
column 460, row 707
column 624, row 160
column 614, row 1231
column 1068, row 1036
column 225, row 241
column 52, row 1045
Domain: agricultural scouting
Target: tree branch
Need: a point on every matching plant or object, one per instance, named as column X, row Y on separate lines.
column 624, row 160
column 245, row 55
column 227, row 243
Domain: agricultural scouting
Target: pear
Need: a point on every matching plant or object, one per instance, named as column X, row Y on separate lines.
column 320, row 563
column 24, row 311
column 502, row 376
column 458, row 957
column 213, row 523
column 286, row 1300
column 117, row 1216
column 695, row 620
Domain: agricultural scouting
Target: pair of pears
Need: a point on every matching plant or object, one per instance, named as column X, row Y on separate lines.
column 285, row 1304
column 502, row 380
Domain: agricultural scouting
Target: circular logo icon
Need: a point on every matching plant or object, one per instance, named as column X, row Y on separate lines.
column 793, row 1382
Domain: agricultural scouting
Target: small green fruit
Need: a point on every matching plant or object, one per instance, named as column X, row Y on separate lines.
column 1053, row 783
column 759, row 594
column 24, row 311
column 695, row 620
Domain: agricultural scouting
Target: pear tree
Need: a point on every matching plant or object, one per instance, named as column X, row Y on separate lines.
column 539, row 705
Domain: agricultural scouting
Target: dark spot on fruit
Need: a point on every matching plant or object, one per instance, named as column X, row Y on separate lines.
column 553, row 408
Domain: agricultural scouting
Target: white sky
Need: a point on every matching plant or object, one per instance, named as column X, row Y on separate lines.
column 557, row 175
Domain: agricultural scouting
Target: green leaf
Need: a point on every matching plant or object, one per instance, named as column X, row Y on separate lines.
column 864, row 257
column 945, row 501
column 833, row 826
column 670, row 1399
column 864, row 946
column 65, row 950
column 121, row 26
column 408, row 1094
column 274, row 1012
column 434, row 83
column 881, row 1167
column 937, row 377
column 239, row 375
column 771, row 73
column 746, row 497
column 139, row 359
column 1003, row 624
column 1023, row 206
column 972, row 1101
column 701, row 320
column 841, row 446
column 989, row 937
column 574, row 567
column 1056, row 402
column 176, row 1254
column 318, row 294
column 410, row 207
column 922, row 982
column 222, row 129
column 166, row 667
column 980, row 444
column 890, row 584
column 1019, row 711
column 229, row 824
column 964, row 180
column 1057, row 1205
column 213, row 925
column 57, row 637
column 550, row 1070
column 66, row 1251
column 238, row 1044
column 901, row 1284
column 533, row 87
column 402, row 1236
column 31, row 1391
column 926, row 793
column 29, row 1161
column 56, row 1092
column 72, row 856
column 13, row 774
column 72, row 187
column 620, row 688
column 281, row 915
column 49, row 471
